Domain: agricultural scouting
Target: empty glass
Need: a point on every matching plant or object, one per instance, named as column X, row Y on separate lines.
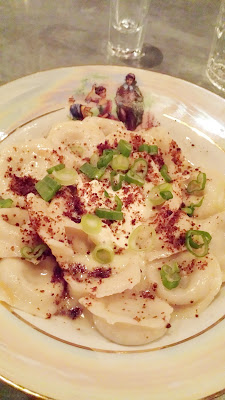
column 127, row 25
column 216, row 63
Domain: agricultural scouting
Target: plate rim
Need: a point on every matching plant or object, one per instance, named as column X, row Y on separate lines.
column 218, row 96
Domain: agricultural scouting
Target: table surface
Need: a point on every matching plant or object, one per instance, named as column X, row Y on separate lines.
column 38, row 35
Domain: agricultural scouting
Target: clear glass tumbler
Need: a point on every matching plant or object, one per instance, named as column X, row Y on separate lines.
column 127, row 25
column 216, row 63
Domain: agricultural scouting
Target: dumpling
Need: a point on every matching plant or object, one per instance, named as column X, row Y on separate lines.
column 22, row 166
column 29, row 287
column 215, row 225
column 16, row 232
column 170, row 153
column 129, row 318
column 200, row 281
column 72, row 247
column 83, row 133
column 213, row 195
column 90, row 277
column 170, row 227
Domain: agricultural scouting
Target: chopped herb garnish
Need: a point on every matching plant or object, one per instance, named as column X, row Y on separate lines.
column 124, row 147
column 57, row 167
column 170, row 275
column 197, row 242
column 91, row 171
column 112, row 215
column 164, row 172
column 47, row 188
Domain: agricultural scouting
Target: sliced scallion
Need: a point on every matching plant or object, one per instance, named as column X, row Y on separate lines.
column 119, row 203
column 120, row 163
column 91, row 171
column 105, row 159
column 78, row 150
column 103, row 254
column 170, row 275
column 153, row 150
column 166, row 195
column 142, row 238
column 189, row 210
column 6, row 203
column 66, row 176
column 124, row 147
column 27, row 252
column 197, row 242
column 164, row 172
column 47, row 188
column 94, row 159
column 39, row 250
column 159, row 194
column 116, row 180
column 198, row 184
column 106, row 194
column 33, row 252
column 140, row 167
column 91, row 224
column 57, row 167
column 132, row 177
column 112, row 215
column 143, row 147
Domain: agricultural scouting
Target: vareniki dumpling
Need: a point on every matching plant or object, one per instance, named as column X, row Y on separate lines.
column 130, row 318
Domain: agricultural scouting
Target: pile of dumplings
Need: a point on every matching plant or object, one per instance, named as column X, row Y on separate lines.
column 125, row 297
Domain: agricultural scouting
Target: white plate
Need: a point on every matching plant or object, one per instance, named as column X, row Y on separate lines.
column 53, row 358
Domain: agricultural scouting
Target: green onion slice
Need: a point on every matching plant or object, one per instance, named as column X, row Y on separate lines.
column 120, row 163
column 105, row 159
column 144, row 147
column 112, row 215
column 116, row 180
column 91, row 171
column 197, row 242
column 78, row 150
column 119, row 203
column 39, row 250
column 198, row 204
column 57, row 167
column 189, row 210
column 140, row 167
column 124, row 147
column 91, row 224
column 164, row 172
column 153, row 150
column 66, row 176
column 132, row 177
column 142, row 238
column 170, row 275
column 30, row 252
column 166, row 195
column 27, row 252
column 94, row 159
column 103, row 254
column 106, row 194
column 47, row 188
column 159, row 194
column 198, row 184
column 6, row 203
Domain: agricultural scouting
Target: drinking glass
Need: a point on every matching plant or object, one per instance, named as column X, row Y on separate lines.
column 127, row 25
column 216, row 62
